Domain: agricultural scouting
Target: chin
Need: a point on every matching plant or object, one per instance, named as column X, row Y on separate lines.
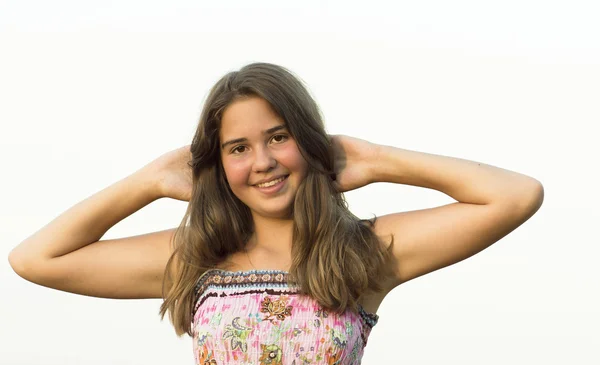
column 284, row 213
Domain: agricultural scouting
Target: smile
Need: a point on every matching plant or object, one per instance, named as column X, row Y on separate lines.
column 272, row 186
column 271, row 183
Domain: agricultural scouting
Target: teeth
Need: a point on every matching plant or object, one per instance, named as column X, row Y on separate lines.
column 270, row 183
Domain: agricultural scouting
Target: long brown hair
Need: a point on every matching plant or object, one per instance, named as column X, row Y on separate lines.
column 336, row 257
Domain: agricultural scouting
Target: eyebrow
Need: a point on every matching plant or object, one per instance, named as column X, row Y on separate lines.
column 268, row 131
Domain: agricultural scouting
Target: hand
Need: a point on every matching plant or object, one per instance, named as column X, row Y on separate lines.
column 353, row 162
column 173, row 174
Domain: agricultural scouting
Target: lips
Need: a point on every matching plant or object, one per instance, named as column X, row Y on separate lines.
column 270, row 180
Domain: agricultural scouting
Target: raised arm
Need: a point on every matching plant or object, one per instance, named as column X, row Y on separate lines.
column 491, row 203
column 67, row 254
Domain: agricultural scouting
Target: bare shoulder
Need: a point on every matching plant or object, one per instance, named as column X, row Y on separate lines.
column 427, row 240
column 370, row 301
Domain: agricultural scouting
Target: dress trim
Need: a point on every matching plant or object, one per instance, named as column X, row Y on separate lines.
column 257, row 281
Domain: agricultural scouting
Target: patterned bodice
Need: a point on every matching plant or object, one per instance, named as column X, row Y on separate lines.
column 257, row 317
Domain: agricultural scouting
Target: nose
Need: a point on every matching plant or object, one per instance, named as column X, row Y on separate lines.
column 264, row 160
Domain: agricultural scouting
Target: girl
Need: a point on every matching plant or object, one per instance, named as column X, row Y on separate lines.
column 268, row 265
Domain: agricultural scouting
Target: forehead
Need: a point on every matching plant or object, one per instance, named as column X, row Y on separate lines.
column 248, row 116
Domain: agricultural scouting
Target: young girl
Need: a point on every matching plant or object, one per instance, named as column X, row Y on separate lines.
column 268, row 265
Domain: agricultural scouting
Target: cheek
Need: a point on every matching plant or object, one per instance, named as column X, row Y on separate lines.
column 291, row 157
column 236, row 174
column 294, row 160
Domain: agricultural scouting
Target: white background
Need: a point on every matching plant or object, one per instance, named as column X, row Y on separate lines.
column 90, row 91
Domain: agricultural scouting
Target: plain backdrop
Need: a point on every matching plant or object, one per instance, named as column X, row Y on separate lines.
column 91, row 91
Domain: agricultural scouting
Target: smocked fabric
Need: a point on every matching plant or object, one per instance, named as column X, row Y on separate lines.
column 258, row 317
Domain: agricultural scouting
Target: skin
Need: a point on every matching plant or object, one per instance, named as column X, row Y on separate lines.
column 67, row 253
column 262, row 156
column 490, row 201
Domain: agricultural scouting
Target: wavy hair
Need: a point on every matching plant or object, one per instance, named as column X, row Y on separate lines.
column 336, row 257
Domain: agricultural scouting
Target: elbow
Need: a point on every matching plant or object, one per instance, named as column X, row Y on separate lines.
column 21, row 266
column 531, row 198
column 15, row 263
column 537, row 196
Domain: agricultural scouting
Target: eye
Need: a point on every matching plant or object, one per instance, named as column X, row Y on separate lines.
column 283, row 136
column 237, row 149
column 278, row 138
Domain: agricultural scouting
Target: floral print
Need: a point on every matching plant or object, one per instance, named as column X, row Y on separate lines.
column 277, row 309
column 258, row 317
column 238, row 334
column 271, row 354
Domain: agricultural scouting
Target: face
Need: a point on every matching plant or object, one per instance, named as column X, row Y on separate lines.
column 255, row 147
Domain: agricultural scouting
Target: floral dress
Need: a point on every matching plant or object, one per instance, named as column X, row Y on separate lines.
column 257, row 317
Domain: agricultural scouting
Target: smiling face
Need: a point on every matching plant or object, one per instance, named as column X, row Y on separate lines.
column 255, row 147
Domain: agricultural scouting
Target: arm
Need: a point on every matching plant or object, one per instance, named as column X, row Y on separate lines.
column 87, row 221
column 67, row 255
column 492, row 202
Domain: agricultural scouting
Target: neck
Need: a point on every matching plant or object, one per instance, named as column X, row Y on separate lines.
column 273, row 237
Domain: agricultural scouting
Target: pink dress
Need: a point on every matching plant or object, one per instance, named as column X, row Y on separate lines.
column 256, row 317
